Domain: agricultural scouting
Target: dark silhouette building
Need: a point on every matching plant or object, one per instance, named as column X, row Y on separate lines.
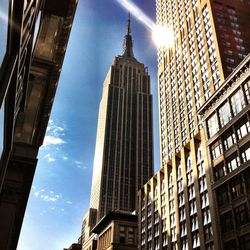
column 124, row 142
column 34, row 36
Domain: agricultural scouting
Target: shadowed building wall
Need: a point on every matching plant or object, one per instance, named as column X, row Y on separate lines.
column 124, row 143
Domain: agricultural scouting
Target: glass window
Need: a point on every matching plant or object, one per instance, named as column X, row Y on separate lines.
column 230, row 245
column 245, row 153
column 233, row 164
column 247, row 91
column 243, row 130
column 229, row 141
column 222, row 195
column 122, row 234
column 226, row 222
column 224, row 114
column 237, row 102
column 213, row 125
column 245, row 242
column 241, row 215
column 131, row 235
column 4, row 28
column 219, row 171
column 236, row 186
column 216, row 149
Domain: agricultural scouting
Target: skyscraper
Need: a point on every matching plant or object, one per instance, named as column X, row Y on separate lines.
column 176, row 207
column 124, row 143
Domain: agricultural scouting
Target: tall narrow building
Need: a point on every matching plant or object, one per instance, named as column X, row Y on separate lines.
column 177, row 207
column 124, row 142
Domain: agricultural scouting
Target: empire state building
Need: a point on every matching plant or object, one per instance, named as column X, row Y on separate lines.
column 124, row 143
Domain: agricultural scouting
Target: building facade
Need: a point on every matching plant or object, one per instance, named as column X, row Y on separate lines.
column 227, row 119
column 117, row 231
column 34, row 36
column 124, row 143
column 176, row 207
column 89, row 221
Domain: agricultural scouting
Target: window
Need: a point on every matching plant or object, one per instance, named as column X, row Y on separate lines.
column 4, row 28
column 245, row 154
column 241, row 215
column 229, row 141
column 233, row 163
column 222, row 195
column 122, row 234
column 131, row 235
column 247, row 91
column 216, row 149
column 230, row 245
column 237, row 102
column 244, row 242
column 219, row 171
column 213, row 125
column 226, row 222
column 208, row 232
column 224, row 114
column 236, row 187
column 243, row 130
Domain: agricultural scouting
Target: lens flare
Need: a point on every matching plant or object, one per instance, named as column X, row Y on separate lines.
column 162, row 35
column 137, row 13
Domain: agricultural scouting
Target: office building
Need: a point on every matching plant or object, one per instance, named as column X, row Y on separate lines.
column 123, row 159
column 176, row 207
column 89, row 221
column 117, row 231
column 34, row 36
column 227, row 120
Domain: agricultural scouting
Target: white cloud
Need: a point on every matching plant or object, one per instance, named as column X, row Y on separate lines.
column 49, row 158
column 69, row 202
column 52, row 140
column 47, row 196
column 54, row 135
column 65, row 158
column 79, row 164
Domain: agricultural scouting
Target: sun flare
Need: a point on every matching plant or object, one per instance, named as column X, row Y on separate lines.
column 163, row 36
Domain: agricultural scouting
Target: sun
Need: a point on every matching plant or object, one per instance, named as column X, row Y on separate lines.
column 163, row 36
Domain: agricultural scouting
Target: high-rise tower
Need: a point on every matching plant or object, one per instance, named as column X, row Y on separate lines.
column 177, row 206
column 124, row 143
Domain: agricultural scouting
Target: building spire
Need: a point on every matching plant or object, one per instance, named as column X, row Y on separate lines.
column 128, row 42
column 129, row 28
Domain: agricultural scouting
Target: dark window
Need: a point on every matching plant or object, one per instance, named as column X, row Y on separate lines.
column 236, row 187
column 244, row 242
column 241, row 215
column 219, row 171
column 122, row 234
column 222, row 195
column 208, row 232
column 226, row 222
column 230, row 245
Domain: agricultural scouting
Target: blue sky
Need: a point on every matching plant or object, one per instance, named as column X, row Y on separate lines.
column 60, row 192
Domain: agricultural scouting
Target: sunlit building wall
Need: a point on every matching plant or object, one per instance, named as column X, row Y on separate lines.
column 227, row 120
column 176, row 208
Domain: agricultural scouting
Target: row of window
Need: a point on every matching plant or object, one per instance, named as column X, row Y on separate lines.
column 230, row 108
